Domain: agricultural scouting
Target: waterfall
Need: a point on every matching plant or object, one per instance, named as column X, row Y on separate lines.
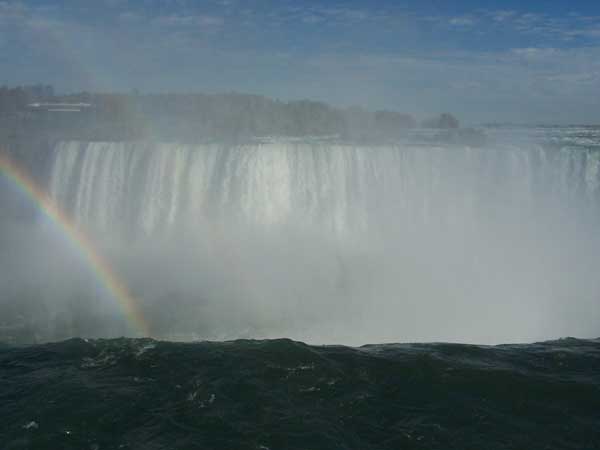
column 152, row 188
column 327, row 241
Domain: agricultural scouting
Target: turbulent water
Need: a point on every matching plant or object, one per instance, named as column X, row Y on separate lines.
column 267, row 395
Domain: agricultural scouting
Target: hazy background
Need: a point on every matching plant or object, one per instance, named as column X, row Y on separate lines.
column 533, row 62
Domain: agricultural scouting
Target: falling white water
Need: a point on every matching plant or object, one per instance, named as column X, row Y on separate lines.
column 341, row 188
column 332, row 242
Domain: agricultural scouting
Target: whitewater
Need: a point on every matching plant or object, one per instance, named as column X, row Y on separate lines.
column 153, row 187
column 329, row 241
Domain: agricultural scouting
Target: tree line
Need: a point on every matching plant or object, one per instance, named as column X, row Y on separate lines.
column 197, row 117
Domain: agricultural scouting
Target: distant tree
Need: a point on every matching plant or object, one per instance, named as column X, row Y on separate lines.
column 390, row 123
column 196, row 117
column 445, row 121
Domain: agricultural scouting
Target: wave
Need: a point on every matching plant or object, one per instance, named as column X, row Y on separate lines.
column 141, row 394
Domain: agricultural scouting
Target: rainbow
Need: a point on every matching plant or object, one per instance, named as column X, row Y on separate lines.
column 99, row 265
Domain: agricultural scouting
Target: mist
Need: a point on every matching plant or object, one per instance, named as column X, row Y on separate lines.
column 402, row 243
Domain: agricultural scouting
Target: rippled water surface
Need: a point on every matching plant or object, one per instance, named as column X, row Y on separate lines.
column 281, row 394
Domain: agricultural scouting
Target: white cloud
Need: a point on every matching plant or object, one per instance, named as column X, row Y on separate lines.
column 502, row 16
column 530, row 25
column 202, row 21
column 534, row 53
column 312, row 18
column 130, row 17
column 577, row 78
column 12, row 11
column 464, row 21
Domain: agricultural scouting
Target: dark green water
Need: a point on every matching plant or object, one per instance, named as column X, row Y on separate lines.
column 280, row 394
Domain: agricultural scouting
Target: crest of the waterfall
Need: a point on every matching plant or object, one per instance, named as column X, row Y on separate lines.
column 153, row 189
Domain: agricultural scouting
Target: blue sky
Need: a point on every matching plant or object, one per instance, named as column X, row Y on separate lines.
column 534, row 61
